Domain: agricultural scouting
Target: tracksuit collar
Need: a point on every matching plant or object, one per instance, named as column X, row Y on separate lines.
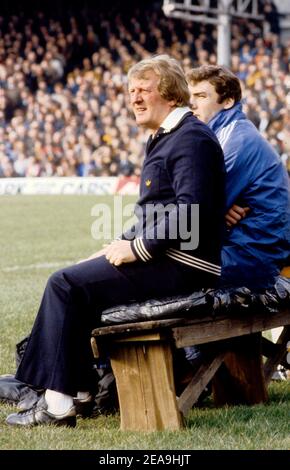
column 226, row 116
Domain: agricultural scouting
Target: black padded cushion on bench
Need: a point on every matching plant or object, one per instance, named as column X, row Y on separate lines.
column 213, row 301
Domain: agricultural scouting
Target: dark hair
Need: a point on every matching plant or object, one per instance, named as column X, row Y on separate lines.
column 226, row 84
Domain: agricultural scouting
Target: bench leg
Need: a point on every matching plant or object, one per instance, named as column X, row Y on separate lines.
column 271, row 350
column 145, row 384
column 240, row 379
column 199, row 381
column 279, row 355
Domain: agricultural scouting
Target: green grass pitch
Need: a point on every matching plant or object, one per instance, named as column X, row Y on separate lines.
column 38, row 235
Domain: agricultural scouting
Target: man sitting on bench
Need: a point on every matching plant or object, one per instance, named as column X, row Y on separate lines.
column 257, row 241
column 257, row 186
column 182, row 187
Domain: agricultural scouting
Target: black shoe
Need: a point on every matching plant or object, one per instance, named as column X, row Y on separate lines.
column 84, row 407
column 38, row 414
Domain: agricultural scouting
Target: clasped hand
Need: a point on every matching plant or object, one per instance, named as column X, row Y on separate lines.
column 117, row 253
column 235, row 214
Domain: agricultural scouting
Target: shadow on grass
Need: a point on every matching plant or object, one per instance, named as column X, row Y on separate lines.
column 207, row 415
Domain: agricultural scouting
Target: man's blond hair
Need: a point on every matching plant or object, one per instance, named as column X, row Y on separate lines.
column 172, row 82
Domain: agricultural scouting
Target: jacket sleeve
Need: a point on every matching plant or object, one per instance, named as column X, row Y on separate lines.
column 242, row 167
column 236, row 165
column 191, row 167
column 129, row 234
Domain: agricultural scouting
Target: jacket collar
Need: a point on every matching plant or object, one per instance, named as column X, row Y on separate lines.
column 226, row 116
column 173, row 119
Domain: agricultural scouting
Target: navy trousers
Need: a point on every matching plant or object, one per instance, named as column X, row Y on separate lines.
column 58, row 355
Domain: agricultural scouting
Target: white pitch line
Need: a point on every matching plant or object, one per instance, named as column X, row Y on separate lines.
column 53, row 264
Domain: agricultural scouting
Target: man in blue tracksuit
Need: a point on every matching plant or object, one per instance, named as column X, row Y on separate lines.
column 183, row 171
column 257, row 187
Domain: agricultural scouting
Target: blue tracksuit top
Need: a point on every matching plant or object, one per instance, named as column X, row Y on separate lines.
column 256, row 246
column 183, row 166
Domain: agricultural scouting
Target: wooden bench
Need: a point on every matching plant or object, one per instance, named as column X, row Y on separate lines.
column 142, row 361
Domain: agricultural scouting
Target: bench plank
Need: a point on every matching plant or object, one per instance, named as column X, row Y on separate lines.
column 143, row 326
column 236, row 325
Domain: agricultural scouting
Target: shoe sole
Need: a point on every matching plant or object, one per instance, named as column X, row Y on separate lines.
column 67, row 422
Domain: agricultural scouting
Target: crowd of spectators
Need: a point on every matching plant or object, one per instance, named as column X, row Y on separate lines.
column 63, row 101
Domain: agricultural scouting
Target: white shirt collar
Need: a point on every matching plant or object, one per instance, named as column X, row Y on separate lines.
column 173, row 118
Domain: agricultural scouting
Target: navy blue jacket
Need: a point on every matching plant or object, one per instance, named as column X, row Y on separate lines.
column 183, row 167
